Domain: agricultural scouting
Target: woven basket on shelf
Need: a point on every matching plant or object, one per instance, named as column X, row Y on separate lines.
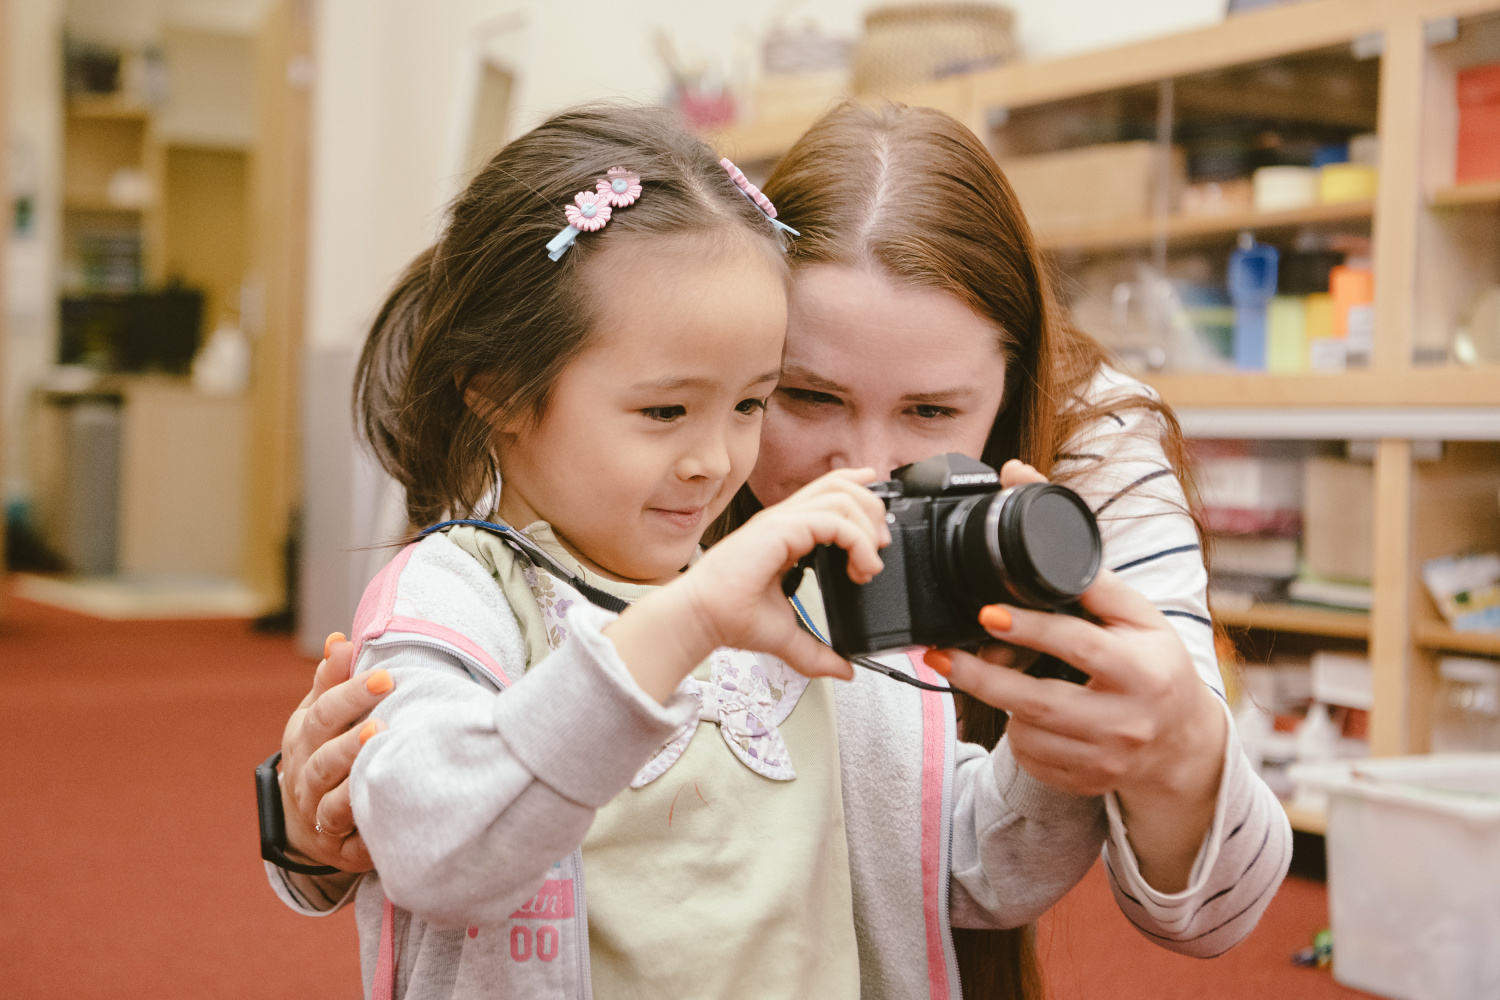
column 912, row 43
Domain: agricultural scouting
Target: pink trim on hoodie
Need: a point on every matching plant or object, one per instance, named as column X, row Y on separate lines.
column 374, row 613
column 934, row 752
column 384, row 986
column 420, row 626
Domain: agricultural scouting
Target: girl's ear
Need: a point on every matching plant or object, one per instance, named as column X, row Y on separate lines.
column 479, row 397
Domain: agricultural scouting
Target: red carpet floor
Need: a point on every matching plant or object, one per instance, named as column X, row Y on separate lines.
column 128, row 848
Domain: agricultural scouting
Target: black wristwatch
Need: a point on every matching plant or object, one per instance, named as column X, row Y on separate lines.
column 273, row 821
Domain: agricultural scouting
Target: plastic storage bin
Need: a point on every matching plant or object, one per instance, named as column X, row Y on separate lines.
column 1466, row 706
column 1414, row 874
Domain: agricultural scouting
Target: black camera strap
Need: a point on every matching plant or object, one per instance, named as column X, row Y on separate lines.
column 868, row 662
column 537, row 556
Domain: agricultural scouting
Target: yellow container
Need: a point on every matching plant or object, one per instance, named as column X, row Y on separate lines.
column 1318, row 316
column 1343, row 182
column 1286, row 335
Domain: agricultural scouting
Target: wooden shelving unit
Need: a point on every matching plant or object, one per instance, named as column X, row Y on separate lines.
column 1441, row 638
column 1456, row 195
column 1419, row 388
column 1186, row 229
column 1306, row 820
column 1297, row 618
column 1437, row 244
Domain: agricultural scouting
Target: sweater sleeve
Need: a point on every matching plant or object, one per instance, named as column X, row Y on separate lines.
column 1150, row 539
column 1237, row 872
column 312, row 895
column 471, row 795
column 1019, row 845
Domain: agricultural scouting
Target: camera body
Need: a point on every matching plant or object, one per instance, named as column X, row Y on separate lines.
column 959, row 542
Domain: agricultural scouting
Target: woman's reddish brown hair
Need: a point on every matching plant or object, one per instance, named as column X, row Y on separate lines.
column 914, row 193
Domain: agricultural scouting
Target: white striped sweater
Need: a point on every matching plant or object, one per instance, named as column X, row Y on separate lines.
column 1118, row 465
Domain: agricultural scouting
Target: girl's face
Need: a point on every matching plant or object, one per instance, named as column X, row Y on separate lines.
column 875, row 374
column 654, row 427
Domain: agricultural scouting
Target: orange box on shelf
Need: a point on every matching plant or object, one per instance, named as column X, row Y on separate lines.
column 1351, row 287
column 1478, row 155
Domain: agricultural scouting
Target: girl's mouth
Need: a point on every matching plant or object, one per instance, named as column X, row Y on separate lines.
column 685, row 518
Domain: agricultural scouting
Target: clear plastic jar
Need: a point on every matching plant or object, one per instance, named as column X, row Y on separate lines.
column 1466, row 708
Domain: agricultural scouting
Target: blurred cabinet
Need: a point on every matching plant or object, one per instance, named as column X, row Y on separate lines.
column 142, row 477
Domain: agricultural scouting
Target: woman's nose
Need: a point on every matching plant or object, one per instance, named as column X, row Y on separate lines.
column 864, row 447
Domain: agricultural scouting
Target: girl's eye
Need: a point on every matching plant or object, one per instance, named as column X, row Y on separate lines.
column 926, row 411
column 750, row 405
column 810, row 396
column 665, row 414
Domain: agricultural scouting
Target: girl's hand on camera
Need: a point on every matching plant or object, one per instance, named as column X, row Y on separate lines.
column 732, row 596
column 1145, row 726
column 318, row 749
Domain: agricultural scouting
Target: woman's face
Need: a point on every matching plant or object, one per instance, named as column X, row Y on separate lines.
column 875, row 374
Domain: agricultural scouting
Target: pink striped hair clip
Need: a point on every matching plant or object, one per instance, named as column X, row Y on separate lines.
column 590, row 211
column 757, row 199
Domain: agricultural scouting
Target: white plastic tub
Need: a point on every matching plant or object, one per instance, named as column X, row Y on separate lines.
column 1414, row 873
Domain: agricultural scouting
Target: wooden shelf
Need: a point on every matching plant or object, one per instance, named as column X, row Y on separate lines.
column 1476, row 193
column 1419, row 387
column 757, row 141
column 100, row 205
column 1298, row 619
column 1197, row 228
column 1432, row 635
column 1307, row 820
column 107, row 106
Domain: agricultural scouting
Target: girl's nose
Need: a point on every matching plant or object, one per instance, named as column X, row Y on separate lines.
column 709, row 460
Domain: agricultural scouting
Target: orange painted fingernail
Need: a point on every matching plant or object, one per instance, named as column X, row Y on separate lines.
column 939, row 661
column 370, row 729
column 333, row 637
column 379, row 682
column 996, row 618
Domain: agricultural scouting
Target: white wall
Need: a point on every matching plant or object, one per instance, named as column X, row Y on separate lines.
column 395, row 85
column 34, row 68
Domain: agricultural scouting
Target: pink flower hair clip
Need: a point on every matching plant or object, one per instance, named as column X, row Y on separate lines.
column 753, row 193
column 619, row 188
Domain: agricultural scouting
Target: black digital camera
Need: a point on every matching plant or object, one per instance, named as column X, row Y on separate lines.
column 958, row 543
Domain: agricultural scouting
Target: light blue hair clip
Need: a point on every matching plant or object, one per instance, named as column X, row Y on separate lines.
column 618, row 188
column 757, row 199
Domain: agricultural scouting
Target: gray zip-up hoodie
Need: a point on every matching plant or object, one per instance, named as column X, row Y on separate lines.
column 475, row 802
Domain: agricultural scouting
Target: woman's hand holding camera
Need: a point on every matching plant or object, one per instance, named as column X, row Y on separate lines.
column 1145, row 727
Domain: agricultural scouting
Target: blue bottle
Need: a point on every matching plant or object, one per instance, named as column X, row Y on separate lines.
column 1252, row 283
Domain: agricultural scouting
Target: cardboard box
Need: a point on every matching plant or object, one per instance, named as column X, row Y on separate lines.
column 1339, row 519
column 1478, row 157
column 1092, row 186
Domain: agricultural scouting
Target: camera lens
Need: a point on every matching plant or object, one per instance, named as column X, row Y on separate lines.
column 1037, row 545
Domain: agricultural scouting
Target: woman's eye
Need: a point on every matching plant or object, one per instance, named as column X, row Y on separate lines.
column 666, row 414
column 810, row 396
column 750, row 405
column 926, row 411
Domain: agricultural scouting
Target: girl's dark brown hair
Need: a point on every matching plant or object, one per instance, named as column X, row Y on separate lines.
column 485, row 308
column 915, row 194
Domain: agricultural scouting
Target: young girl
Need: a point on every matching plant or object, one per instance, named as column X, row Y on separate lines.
column 563, row 345
column 705, row 855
